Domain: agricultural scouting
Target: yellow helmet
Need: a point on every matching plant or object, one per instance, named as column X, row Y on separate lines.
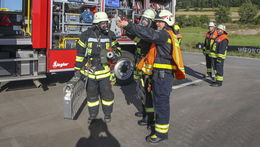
column 149, row 13
column 99, row 17
column 165, row 16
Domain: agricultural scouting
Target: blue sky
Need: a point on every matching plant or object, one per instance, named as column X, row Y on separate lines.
column 11, row 4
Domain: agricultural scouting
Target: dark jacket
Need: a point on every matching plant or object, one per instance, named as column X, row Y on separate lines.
column 160, row 38
column 93, row 45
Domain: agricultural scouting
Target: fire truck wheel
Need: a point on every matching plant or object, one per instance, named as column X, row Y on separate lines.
column 124, row 68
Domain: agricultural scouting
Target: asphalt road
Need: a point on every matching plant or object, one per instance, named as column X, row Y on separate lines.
column 201, row 116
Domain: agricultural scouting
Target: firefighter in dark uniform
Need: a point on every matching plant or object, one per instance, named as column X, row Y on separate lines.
column 209, row 40
column 143, row 81
column 218, row 52
column 162, row 61
column 92, row 61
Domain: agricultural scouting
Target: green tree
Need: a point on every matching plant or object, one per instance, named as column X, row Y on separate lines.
column 257, row 20
column 247, row 12
column 194, row 21
column 204, row 19
column 181, row 20
column 222, row 15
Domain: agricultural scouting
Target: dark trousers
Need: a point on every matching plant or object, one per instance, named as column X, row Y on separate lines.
column 99, row 91
column 162, row 88
column 148, row 100
column 219, row 69
column 208, row 64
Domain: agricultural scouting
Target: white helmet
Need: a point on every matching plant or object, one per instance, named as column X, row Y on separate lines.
column 165, row 16
column 222, row 27
column 100, row 16
column 212, row 24
column 149, row 13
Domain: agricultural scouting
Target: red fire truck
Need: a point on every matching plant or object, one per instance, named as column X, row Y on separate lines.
column 40, row 38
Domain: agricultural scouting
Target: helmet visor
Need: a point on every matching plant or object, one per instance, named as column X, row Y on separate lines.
column 145, row 22
column 103, row 25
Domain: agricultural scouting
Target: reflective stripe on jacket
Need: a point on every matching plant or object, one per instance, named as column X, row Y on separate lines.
column 209, row 40
column 147, row 63
column 218, row 50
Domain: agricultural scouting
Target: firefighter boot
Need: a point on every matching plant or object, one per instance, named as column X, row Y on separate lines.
column 107, row 118
column 154, row 139
column 139, row 114
column 143, row 121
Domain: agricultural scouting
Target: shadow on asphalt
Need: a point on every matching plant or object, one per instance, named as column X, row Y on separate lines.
column 51, row 80
column 196, row 74
column 99, row 136
column 130, row 95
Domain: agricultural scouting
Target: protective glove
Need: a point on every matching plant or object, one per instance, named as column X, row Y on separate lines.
column 112, row 78
column 140, row 90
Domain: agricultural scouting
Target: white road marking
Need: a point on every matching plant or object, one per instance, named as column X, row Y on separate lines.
column 187, row 84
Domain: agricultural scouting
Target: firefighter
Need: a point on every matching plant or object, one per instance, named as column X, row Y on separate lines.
column 163, row 62
column 92, row 62
column 209, row 40
column 176, row 31
column 218, row 52
column 143, row 81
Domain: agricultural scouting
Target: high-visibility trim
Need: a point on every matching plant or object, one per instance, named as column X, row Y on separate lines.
column 209, row 70
column 118, row 48
column 165, row 66
column 138, row 50
column 92, row 40
column 148, row 65
column 105, row 70
column 223, row 56
column 142, row 82
column 179, row 36
column 137, row 39
column 107, row 103
column 89, row 51
column 82, row 44
column 169, row 40
column 99, row 76
column 149, row 110
column 107, row 45
column 212, row 55
column 90, row 44
column 105, row 40
column 154, row 136
column 161, row 130
column 147, row 71
column 93, row 104
column 113, row 43
column 79, row 59
column 101, row 40
column 219, row 78
column 162, row 126
column 77, row 68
